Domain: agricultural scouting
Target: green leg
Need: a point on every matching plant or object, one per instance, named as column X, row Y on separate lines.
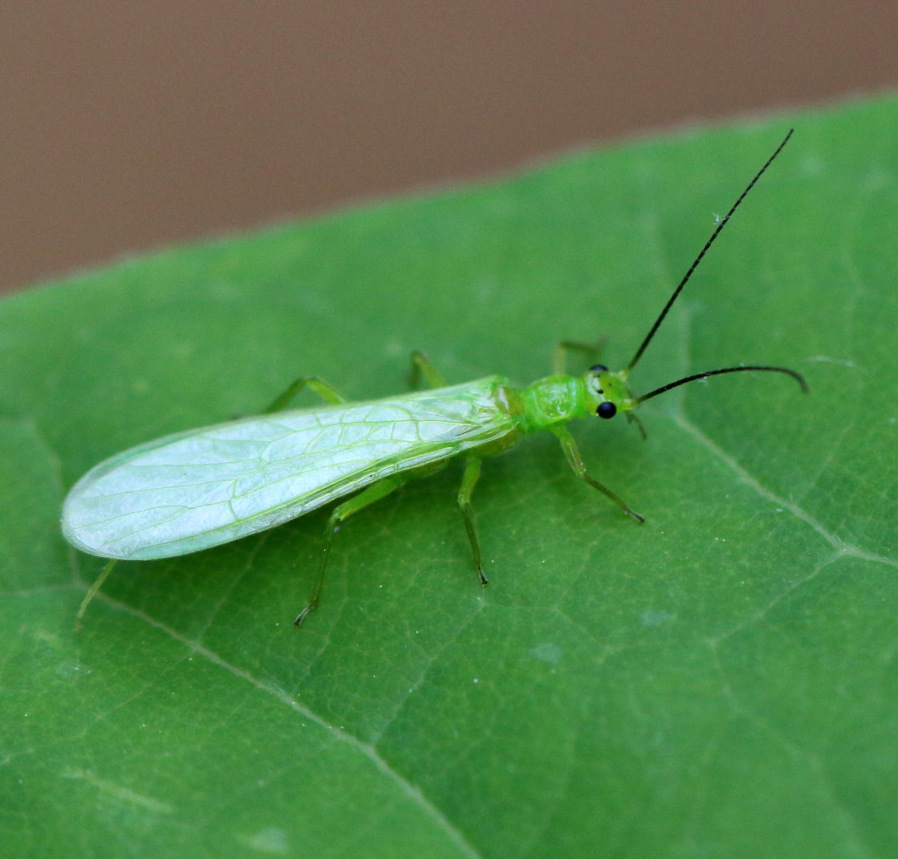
column 569, row 446
column 422, row 366
column 92, row 592
column 343, row 511
column 559, row 356
column 468, row 482
column 634, row 419
column 325, row 390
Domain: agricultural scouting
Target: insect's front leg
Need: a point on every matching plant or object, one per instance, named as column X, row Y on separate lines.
column 325, row 390
column 569, row 446
column 563, row 347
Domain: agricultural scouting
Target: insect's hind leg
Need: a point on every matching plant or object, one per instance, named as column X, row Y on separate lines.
column 421, row 365
column 325, row 390
column 93, row 590
column 569, row 446
column 343, row 511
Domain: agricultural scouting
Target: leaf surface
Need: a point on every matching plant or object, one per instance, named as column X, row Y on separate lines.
column 721, row 681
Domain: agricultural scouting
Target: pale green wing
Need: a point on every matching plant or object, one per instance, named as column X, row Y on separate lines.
column 208, row 486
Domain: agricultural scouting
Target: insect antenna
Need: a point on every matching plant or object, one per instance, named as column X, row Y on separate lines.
column 740, row 369
column 689, row 273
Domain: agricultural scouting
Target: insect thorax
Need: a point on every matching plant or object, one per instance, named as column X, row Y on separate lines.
column 553, row 400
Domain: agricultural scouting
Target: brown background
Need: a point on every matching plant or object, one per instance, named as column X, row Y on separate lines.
column 125, row 126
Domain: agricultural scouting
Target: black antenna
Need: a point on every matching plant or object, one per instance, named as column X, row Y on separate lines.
column 692, row 268
column 742, row 368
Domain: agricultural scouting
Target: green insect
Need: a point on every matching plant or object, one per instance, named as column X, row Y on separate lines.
column 204, row 487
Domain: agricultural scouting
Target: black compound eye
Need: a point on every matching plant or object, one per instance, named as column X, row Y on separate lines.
column 606, row 410
column 598, row 368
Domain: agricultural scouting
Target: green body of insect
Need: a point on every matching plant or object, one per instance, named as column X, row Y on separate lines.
column 209, row 486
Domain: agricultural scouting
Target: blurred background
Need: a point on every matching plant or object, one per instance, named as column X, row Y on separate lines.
column 128, row 126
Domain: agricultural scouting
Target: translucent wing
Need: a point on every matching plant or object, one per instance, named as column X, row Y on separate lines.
column 208, row 486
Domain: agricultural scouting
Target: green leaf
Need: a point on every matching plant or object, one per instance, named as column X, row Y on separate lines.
column 719, row 682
